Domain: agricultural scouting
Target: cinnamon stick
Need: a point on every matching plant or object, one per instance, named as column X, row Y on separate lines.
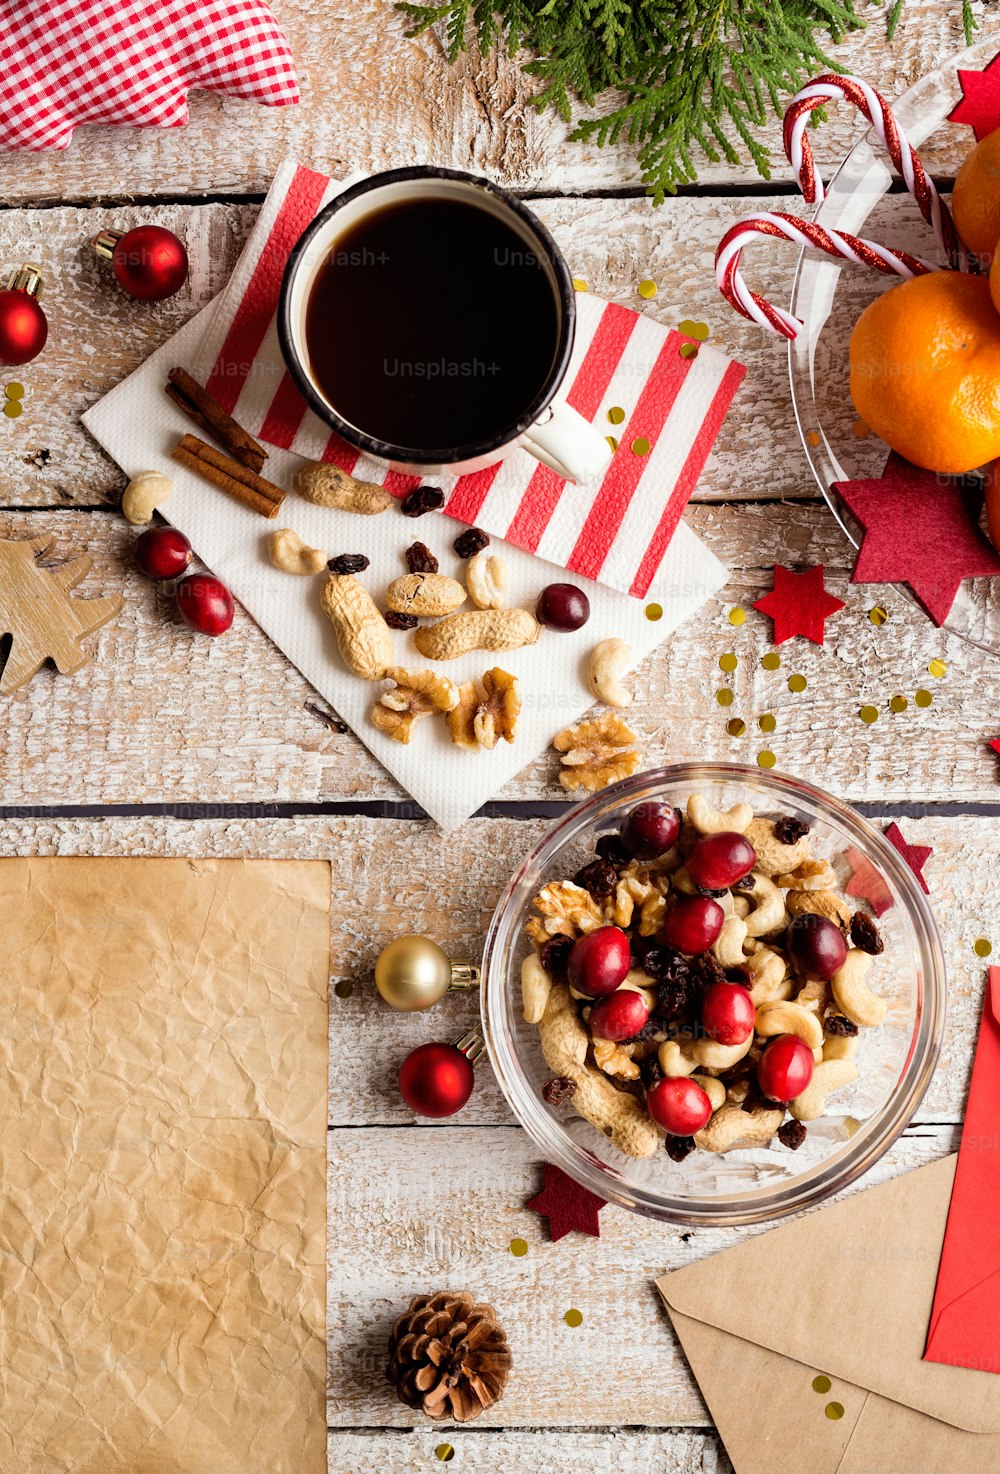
column 206, row 412
column 229, row 476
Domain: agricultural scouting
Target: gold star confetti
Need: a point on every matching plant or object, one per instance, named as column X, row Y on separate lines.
column 737, row 616
column 14, row 391
column 937, row 668
column 344, row 988
column 647, row 290
column 868, row 714
column 616, row 414
column 640, row 446
column 736, row 727
column 767, row 722
column 766, row 759
column 612, row 441
column 898, row 703
column 445, row 1452
column 771, row 661
column 728, row 662
column 821, row 1384
column 878, row 615
column 797, row 683
column 724, row 697
column 654, row 612
column 692, row 329
column 573, row 1317
column 922, row 697
column 518, row 1248
column 580, row 285
column 982, row 947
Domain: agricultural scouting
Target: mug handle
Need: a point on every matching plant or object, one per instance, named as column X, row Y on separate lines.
column 568, row 444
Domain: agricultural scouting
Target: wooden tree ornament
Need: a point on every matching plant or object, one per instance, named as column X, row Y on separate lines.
column 37, row 610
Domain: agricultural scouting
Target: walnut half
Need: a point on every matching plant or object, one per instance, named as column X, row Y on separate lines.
column 480, row 718
column 416, row 694
column 597, row 753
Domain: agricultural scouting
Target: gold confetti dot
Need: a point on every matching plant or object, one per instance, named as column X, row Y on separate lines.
column 814, row 438
column 640, row 446
column 771, row 661
column 766, row 759
column 692, row 329
column 13, row 408
column 724, row 697
column 647, row 289
column 834, row 1410
column 878, row 615
column 868, row 714
column 736, row 727
column 654, row 612
column 797, row 683
column 821, row 1384
column 616, row 414
column 937, row 668
column 767, row 722
column 445, row 1452
column 580, row 285
column 612, row 441
column 922, row 697
column 861, row 430
column 728, row 662
column 689, row 350
column 737, row 616
column 344, row 988
column 14, row 391
column 982, row 947
column 573, row 1317
column 898, row 703
column 518, row 1247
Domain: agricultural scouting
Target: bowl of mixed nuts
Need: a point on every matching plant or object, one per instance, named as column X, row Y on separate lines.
column 713, row 994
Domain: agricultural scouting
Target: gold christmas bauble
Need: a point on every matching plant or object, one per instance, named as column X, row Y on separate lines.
column 412, row 973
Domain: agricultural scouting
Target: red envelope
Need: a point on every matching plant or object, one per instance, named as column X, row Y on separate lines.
column 965, row 1320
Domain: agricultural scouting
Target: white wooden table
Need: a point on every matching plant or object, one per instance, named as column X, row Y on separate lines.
column 168, row 744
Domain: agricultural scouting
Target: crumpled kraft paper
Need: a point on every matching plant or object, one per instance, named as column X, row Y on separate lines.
column 163, row 1080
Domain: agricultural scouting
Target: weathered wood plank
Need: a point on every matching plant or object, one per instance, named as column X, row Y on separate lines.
column 372, row 99
column 541, row 1451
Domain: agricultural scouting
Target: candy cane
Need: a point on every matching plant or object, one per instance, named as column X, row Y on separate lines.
column 831, row 88
column 801, row 233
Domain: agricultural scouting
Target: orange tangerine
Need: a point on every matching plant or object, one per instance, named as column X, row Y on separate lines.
column 975, row 202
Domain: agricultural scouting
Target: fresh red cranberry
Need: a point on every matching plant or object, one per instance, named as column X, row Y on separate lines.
column 562, row 606
column 785, row 1068
column 678, row 1105
column 693, row 925
column 650, row 830
column 599, row 961
column 727, row 1013
column 816, row 947
column 205, row 604
column 720, row 860
column 162, row 552
column 619, row 1016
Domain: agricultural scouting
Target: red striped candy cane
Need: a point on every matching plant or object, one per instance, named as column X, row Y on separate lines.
column 801, row 233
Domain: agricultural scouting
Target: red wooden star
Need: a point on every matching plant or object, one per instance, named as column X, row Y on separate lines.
column 866, row 883
column 915, row 855
column 567, row 1205
column 798, row 604
column 980, row 104
column 920, row 529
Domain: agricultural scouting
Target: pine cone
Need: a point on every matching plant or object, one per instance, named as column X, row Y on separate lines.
column 449, row 1356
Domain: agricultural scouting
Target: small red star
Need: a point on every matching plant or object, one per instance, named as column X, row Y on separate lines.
column 921, row 529
column 866, row 883
column 980, row 104
column 798, row 604
column 915, row 855
column 995, row 744
column 567, row 1205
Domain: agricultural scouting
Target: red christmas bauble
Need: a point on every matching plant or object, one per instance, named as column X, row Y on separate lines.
column 436, row 1079
column 23, row 328
column 149, row 262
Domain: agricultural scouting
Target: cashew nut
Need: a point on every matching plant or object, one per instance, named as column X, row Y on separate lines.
column 713, row 1088
column 852, row 994
column 769, row 975
column 773, row 857
column 829, row 1075
column 781, row 1017
column 673, row 1061
column 288, row 552
column 732, row 1128
column 486, row 580
column 768, row 914
column 728, row 945
column 713, row 1056
column 646, row 993
column 840, row 1046
column 608, row 660
column 536, row 985
column 142, row 496
column 682, row 882
column 707, row 819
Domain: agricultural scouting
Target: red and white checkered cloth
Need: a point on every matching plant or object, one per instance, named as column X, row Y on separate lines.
column 616, row 532
column 65, row 62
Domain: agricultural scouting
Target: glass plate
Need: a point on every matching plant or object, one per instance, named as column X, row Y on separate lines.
column 828, row 298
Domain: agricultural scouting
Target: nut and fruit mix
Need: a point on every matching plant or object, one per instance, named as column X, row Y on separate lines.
column 701, row 977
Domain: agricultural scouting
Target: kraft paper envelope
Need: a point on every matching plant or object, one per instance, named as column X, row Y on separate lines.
column 844, row 1293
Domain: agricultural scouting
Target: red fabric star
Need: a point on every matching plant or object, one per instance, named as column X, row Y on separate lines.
column 995, row 744
column 921, row 529
column 866, row 883
column 567, row 1205
column 915, row 855
column 798, row 604
column 980, row 104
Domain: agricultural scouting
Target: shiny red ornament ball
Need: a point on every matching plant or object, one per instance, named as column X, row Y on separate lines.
column 150, row 263
column 436, row 1079
column 205, row 604
column 23, row 328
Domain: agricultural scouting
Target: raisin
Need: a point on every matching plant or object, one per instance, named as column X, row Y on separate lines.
column 704, row 891
column 679, row 1147
column 841, row 1027
column 649, row 1030
column 599, row 878
column 348, row 563
column 554, row 954
column 649, row 1071
column 420, row 559
column 558, row 1091
column 470, row 542
column 788, row 830
column 423, row 499
column 865, row 934
column 792, row 1134
column 755, row 1099
column 400, row 621
column 741, row 975
column 746, row 884
column 708, row 970
column 609, row 847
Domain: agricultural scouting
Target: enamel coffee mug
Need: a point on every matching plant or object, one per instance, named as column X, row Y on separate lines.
column 526, row 344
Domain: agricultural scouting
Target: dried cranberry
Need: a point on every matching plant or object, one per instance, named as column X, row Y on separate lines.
column 554, row 954
column 865, row 934
column 788, row 830
column 400, row 621
column 792, row 1134
column 599, row 878
column 423, row 499
column 679, row 1147
column 420, row 559
column 841, row 1027
column 609, row 847
column 558, row 1091
column 348, row 563
column 470, row 542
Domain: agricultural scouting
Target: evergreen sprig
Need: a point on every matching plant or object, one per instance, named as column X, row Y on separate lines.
column 688, row 74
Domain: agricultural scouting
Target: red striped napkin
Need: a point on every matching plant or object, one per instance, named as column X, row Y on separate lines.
column 616, row 532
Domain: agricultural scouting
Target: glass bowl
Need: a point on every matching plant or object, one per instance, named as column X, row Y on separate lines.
column 828, row 298
column 895, row 1062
